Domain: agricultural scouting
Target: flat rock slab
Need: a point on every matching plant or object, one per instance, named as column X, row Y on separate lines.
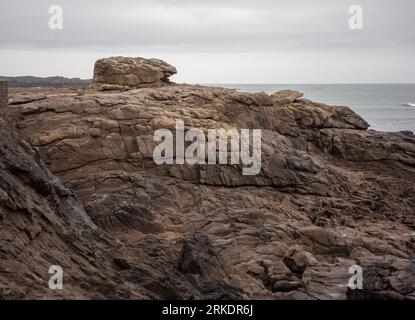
column 25, row 98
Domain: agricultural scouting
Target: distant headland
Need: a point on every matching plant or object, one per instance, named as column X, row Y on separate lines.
column 47, row 82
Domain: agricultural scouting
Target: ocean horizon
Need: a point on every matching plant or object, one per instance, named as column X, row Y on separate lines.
column 386, row 107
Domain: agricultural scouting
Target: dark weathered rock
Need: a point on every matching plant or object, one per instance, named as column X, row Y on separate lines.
column 198, row 256
column 3, row 93
column 43, row 224
column 386, row 278
column 298, row 260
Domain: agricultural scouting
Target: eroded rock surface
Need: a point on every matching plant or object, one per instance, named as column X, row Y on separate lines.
column 43, row 224
column 330, row 194
column 121, row 73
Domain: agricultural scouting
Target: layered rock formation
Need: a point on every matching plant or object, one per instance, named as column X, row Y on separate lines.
column 330, row 195
column 43, row 224
column 121, row 73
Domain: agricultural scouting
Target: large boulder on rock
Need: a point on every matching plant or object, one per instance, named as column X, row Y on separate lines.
column 286, row 96
column 130, row 73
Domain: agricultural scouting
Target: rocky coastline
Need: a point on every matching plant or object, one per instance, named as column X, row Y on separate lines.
column 79, row 188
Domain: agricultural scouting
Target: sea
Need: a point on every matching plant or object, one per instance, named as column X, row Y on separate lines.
column 386, row 107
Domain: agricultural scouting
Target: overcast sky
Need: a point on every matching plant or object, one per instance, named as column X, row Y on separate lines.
column 215, row 41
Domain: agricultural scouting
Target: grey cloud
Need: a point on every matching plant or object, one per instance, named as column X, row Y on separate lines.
column 207, row 26
column 218, row 41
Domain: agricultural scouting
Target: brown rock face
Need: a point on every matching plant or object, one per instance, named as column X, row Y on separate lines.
column 120, row 73
column 329, row 195
column 3, row 93
column 43, row 224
